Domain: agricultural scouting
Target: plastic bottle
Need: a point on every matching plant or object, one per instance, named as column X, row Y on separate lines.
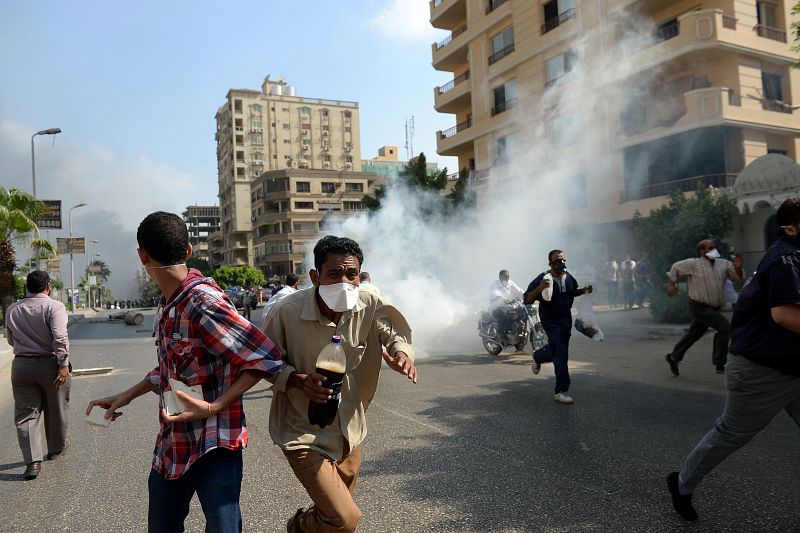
column 540, row 339
column 331, row 363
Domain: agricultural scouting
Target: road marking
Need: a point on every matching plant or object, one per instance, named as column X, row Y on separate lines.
column 416, row 421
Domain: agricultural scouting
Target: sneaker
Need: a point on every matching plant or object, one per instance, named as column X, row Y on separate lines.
column 562, row 397
column 673, row 364
column 536, row 368
column 682, row 503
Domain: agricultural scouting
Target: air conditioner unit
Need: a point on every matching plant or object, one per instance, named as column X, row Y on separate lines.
column 306, row 147
column 295, row 164
column 326, row 133
column 348, row 165
column 348, row 148
column 306, row 132
column 326, row 164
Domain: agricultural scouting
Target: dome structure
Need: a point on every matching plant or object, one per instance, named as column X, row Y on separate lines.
column 766, row 182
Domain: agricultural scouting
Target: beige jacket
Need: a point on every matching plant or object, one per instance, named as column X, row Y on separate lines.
column 300, row 332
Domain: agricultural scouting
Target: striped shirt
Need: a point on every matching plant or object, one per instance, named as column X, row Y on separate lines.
column 706, row 279
column 202, row 340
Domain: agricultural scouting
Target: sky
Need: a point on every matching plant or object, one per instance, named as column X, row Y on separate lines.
column 135, row 85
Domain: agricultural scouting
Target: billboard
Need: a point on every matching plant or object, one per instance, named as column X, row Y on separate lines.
column 54, row 265
column 52, row 218
column 95, row 269
column 71, row 245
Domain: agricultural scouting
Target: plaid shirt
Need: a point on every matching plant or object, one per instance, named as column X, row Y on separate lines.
column 202, row 339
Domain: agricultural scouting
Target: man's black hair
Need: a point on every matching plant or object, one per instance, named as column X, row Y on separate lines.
column 164, row 237
column 552, row 253
column 330, row 244
column 291, row 279
column 788, row 213
column 503, row 273
column 364, row 276
column 37, row 281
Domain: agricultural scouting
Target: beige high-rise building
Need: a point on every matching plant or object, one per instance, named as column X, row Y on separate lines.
column 272, row 129
column 631, row 99
column 201, row 221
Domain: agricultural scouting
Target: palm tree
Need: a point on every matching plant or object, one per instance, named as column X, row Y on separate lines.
column 18, row 213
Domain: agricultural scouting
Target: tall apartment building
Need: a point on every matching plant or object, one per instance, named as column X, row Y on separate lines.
column 201, row 221
column 292, row 206
column 272, row 129
column 666, row 93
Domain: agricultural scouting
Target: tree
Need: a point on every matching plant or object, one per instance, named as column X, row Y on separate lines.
column 200, row 264
column 104, row 273
column 462, row 195
column 18, row 213
column 239, row 276
column 796, row 30
column 671, row 233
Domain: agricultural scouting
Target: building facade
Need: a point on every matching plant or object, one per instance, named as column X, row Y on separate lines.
column 290, row 207
column 388, row 164
column 272, row 129
column 628, row 100
column 201, row 221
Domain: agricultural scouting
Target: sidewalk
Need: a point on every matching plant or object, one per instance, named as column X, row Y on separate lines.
column 7, row 352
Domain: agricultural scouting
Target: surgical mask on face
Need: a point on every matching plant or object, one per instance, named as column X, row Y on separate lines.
column 147, row 268
column 713, row 254
column 339, row 297
column 559, row 265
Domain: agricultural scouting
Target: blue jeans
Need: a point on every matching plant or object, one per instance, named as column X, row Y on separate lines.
column 217, row 479
column 556, row 352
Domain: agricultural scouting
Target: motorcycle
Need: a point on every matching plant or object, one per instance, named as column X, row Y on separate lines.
column 525, row 326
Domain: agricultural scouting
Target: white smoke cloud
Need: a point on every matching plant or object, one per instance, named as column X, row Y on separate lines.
column 405, row 20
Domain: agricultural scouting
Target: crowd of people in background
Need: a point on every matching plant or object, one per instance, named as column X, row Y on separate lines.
column 627, row 282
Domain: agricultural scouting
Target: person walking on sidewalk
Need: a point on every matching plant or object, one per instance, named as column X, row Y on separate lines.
column 763, row 373
column 204, row 343
column 707, row 274
column 36, row 328
column 556, row 315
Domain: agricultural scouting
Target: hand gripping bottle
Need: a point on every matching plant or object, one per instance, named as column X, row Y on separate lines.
column 547, row 292
column 331, row 363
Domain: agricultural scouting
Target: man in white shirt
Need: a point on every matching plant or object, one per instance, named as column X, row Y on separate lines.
column 502, row 292
column 366, row 284
column 289, row 288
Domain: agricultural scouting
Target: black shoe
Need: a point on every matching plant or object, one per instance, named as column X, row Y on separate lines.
column 291, row 525
column 54, row 455
column 673, row 364
column 720, row 369
column 32, row 471
column 681, row 503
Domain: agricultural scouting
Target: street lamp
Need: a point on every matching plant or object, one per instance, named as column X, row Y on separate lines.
column 51, row 131
column 88, row 264
column 71, row 265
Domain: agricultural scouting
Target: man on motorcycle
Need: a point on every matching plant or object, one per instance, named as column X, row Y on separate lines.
column 502, row 292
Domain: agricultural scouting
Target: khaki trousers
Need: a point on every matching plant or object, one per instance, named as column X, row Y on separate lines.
column 36, row 395
column 330, row 484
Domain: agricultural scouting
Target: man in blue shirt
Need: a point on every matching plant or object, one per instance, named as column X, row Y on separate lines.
column 763, row 371
column 556, row 315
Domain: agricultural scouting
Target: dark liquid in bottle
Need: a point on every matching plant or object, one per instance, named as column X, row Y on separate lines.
column 323, row 414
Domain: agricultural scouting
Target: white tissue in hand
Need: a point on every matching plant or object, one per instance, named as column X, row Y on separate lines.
column 172, row 403
column 96, row 417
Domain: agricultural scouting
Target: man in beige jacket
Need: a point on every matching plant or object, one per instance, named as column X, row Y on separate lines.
column 327, row 460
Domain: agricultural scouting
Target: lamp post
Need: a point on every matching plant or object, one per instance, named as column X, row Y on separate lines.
column 51, row 131
column 88, row 264
column 71, row 265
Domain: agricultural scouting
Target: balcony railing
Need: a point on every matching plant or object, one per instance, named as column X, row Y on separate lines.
column 555, row 22
column 500, row 54
column 494, row 4
column 452, row 83
column 770, row 33
column 777, row 106
column 729, row 22
column 499, row 107
column 667, row 31
column 684, row 185
column 455, row 129
column 734, row 99
column 447, row 40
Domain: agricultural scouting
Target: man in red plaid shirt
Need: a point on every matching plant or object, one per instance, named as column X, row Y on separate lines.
column 205, row 344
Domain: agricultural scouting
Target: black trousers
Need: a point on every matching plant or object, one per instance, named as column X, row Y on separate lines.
column 704, row 317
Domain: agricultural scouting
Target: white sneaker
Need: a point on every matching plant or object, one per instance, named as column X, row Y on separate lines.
column 536, row 367
column 563, row 398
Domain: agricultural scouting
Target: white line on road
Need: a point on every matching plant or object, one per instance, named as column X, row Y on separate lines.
column 415, row 420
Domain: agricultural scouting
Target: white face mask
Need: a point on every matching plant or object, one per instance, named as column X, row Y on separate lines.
column 147, row 268
column 339, row 297
column 713, row 254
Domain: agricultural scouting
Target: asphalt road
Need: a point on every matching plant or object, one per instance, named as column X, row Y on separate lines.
column 478, row 445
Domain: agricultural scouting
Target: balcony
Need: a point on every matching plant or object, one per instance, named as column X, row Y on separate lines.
column 453, row 34
column 448, row 141
column 500, row 107
column 684, row 185
column 453, row 96
column 450, row 54
column 494, row 4
column 776, row 106
column 555, row 22
column 446, row 134
column 500, row 54
column 446, row 14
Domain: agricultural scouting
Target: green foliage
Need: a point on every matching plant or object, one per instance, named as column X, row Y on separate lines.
column 416, row 175
column 19, row 283
column 149, row 289
column 796, row 30
column 239, row 276
column 671, row 233
column 462, row 195
column 373, row 203
column 200, row 264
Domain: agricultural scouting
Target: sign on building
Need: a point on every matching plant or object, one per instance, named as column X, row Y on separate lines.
column 71, row 245
column 95, row 269
column 54, row 265
column 52, row 218
column 92, row 281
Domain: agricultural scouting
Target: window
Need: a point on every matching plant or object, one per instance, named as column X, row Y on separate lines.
column 287, row 141
column 776, row 151
column 304, row 226
column 354, row 187
column 561, row 65
column 352, row 206
column 348, row 159
column 773, row 88
column 767, row 14
column 284, row 109
column 287, row 126
column 503, row 40
column 240, row 156
column 255, row 125
column 303, row 186
column 304, row 205
column 305, row 110
column 328, row 187
column 505, row 96
column 326, row 158
column 566, row 129
column 324, row 112
column 507, row 147
column 255, row 108
column 255, row 138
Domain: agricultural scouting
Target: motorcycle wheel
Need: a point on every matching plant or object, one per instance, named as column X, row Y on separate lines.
column 493, row 347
